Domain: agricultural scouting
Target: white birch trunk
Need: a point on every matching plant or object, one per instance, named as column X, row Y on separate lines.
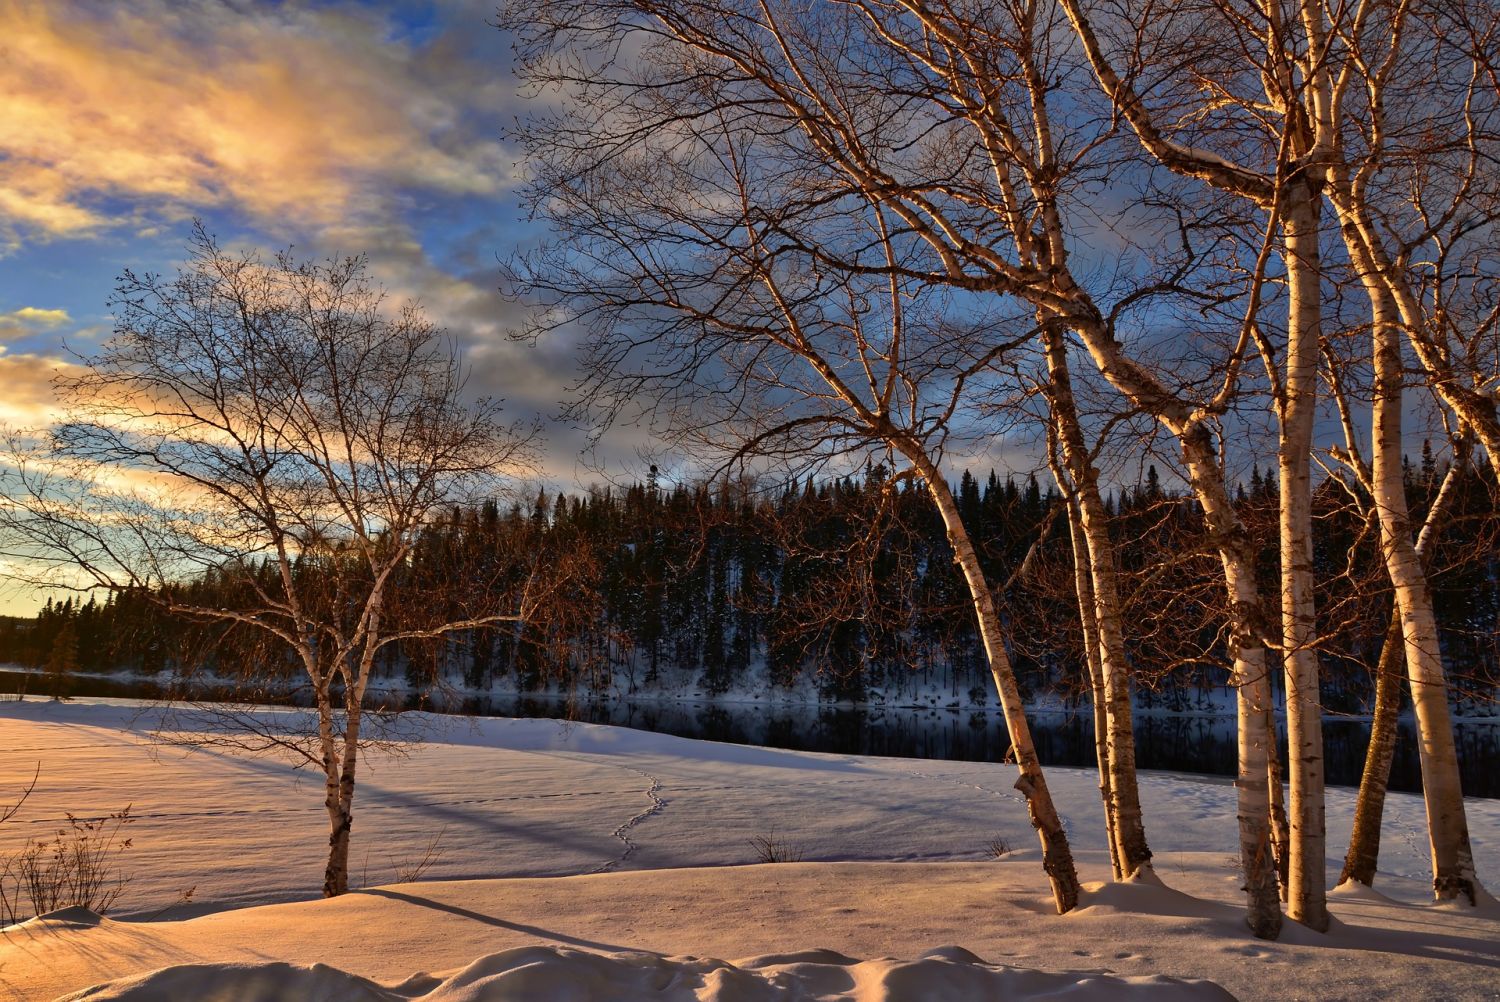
column 1057, row 856
column 1126, row 822
column 1447, row 825
column 1369, row 806
column 340, row 800
column 1251, row 679
column 341, row 805
column 1082, row 585
column 1307, row 898
column 1280, row 830
column 335, row 871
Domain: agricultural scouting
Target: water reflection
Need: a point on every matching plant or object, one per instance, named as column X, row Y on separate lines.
column 1201, row 743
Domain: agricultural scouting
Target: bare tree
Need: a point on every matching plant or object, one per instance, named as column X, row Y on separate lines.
column 282, row 428
column 1092, row 648
column 1412, row 181
column 672, row 252
column 1386, row 113
column 1104, row 628
column 1412, row 638
column 1253, row 132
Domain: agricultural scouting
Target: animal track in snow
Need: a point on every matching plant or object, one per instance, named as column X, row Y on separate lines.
column 623, row 832
column 1063, row 819
column 1002, row 794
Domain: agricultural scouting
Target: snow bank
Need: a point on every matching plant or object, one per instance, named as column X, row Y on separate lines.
column 551, row 974
column 242, row 983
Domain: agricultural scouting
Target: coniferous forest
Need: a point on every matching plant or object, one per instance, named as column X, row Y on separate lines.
column 838, row 590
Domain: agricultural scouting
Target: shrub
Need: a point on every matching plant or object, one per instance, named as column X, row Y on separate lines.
column 76, row 867
column 772, row 848
column 997, row 847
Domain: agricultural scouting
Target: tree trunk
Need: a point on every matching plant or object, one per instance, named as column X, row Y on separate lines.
column 1057, row 856
column 1125, row 802
column 1085, row 592
column 1369, row 805
column 1247, row 625
column 336, row 872
column 1280, row 832
column 1364, row 841
column 341, row 806
column 1246, row 617
column 340, row 802
column 1307, row 898
column 1447, row 825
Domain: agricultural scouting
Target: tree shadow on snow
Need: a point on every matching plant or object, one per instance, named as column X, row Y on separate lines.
column 499, row 923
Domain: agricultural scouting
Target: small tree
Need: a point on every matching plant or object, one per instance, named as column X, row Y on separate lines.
column 282, row 430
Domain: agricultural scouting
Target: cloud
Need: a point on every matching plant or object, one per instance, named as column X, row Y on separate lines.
column 336, row 126
column 301, row 116
column 29, row 320
column 29, row 400
column 457, row 285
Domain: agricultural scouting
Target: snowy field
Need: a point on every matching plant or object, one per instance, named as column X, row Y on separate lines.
column 650, row 835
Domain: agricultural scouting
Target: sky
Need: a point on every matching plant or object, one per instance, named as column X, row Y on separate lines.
column 334, row 128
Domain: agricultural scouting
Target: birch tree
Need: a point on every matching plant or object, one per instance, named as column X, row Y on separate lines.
column 281, row 426
column 1250, row 114
column 1412, row 639
column 1387, row 113
column 1100, row 609
column 672, row 252
column 942, row 116
column 1364, row 839
column 1412, row 182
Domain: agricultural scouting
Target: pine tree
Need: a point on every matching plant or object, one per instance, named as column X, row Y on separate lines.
column 62, row 662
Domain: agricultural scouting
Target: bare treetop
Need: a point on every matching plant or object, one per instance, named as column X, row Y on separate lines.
column 246, row 410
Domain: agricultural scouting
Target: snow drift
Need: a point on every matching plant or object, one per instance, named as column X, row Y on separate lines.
column 550, row 974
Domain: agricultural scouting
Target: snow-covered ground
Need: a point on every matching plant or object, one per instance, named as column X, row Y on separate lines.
column 649, row 835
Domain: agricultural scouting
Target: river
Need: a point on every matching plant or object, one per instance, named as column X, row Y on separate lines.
column 1180, row 742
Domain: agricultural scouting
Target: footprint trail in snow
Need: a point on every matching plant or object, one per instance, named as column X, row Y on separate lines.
column 623, row 832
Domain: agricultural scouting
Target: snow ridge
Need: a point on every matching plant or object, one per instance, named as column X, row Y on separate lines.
column 527, row 973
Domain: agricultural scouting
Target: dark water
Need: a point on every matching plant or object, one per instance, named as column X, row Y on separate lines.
column 1201, row 743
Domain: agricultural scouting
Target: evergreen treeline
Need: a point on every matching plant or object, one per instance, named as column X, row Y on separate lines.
column 845, row 588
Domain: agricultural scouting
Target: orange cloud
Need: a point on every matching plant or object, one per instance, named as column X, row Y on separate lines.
column 28, row 400
column 312, row 116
